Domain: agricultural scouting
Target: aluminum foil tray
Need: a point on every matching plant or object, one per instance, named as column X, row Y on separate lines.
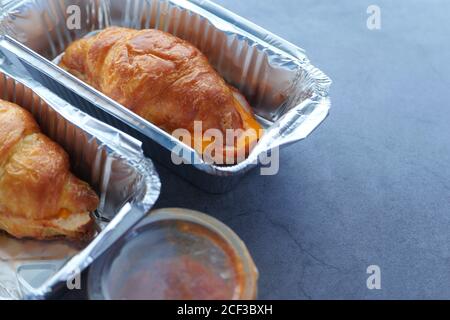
column 110, row 161
column 289, row 95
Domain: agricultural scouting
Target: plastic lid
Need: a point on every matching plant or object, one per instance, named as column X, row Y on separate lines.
column 176, row 254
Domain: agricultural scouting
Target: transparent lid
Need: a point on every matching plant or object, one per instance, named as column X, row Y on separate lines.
column 176, row 254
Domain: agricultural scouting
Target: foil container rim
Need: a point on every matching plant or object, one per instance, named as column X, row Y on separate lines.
column 228, row 22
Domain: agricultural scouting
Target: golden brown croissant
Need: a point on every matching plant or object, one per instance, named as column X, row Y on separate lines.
column 39, row 197
column 166, row 80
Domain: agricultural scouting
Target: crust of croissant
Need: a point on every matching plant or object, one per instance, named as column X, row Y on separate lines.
column 39, row 197
column 162, row 78
column 76, row 227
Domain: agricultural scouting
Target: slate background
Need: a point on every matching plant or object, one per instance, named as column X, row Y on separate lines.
column 372, row 185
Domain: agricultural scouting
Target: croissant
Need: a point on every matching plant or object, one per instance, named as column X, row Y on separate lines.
column 167, row 81
column 39, row 197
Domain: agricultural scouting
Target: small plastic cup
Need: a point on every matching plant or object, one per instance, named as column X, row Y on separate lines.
column 176, row 254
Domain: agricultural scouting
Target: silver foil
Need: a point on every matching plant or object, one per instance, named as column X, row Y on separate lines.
column 288, row 94
column 109, row 160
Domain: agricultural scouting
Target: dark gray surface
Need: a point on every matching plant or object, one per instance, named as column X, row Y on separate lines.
column 372, row 185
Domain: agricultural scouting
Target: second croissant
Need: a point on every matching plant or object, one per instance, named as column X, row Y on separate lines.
column 39, row 197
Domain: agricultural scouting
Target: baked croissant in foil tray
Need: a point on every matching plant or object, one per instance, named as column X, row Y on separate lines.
column 168, row 82
column 39, row 197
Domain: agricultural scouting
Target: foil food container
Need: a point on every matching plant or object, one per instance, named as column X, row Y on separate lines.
column 109, row 160
column 288, row 94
